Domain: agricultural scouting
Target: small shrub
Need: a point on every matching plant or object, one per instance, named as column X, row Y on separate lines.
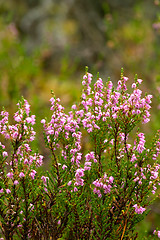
column 99, row 190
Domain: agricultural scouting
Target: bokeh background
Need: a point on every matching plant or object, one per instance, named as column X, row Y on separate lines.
column 46, row 44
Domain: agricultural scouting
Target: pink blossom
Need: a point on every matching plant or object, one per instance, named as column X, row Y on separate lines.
column 74, row 107
column 18, row 118
column 69, row 183
column 111, row 179
column 5, row 154
column 43, row 121
column 79, row 172
column 75, row 189
column 1, row 190
column 32, row 174
column 10, row 175
column 44, row 179
column 8, row 191
column 16, row 182
column 64, row 166
column 139, row 81
column 134, row 85
column 59, row 222
column 87, row 166
column 139, row 209
column 31, row 119
column 154, row 175
column 27, row 107
column 156, row 232
column 21, row 175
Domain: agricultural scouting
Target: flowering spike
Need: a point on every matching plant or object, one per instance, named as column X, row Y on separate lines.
column 108, row 79
column 122, row 73
column 136, row 77
column 52, row 93
column 97, row 75
column 86, row 69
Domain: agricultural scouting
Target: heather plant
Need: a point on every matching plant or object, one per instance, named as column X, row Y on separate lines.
column 19, row 180
column 101, row 182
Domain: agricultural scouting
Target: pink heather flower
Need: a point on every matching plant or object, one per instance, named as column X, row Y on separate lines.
column 139, row 209
column 79, row 172
column 145, row 120
column 1, row 190
column 69, row 183
column 8, row 191
column 156, row 233
column 140, row 146
column 64, row 166
column 32, row 174
column 114, row 115
column 15, row 135
column 39, row 160
column 3, row 147
column 5, row 154
column 75, row 189
column 83, row 95
column 74, row 107
column 148, row 98
column 10, row 175
column 31, row 119
column 31, row 206
column 79, row 182
column 45, row 189
column 44, row 179
column 154, row 175
column 89, row 156
column 133, row 158
column 134, row 85
column 43, row 121
column 83, row 83
column 18, row 118
column 59, row 222
column 125, row 79
column 25, row 161
column 119, row 82
column 87, row 165
column 16, row 182
column 139, row 81
column 52, row 100
column 85, row 76
column 21, row 175
column 27, row 107
column 111, row 179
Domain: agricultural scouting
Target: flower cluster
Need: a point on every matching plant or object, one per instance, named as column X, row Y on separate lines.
column 20, row 134
column 23, row 128
column 156, row 232
column 63, row 130
column 139, row 209
column 103, row 104
column 17, row 169
column 103, row 184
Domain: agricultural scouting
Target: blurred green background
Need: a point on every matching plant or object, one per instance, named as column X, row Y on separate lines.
column 46, row 44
